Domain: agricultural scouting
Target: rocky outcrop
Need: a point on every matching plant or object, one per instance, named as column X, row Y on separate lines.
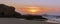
column 35, row 17
column 7, row 10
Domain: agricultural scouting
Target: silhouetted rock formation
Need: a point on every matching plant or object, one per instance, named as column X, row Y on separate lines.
column 34, row 17
column 7, row 11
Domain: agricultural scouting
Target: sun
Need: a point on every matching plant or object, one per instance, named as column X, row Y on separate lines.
column 33, row 9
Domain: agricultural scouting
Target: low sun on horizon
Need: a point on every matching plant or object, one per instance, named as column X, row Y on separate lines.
column 32, row 10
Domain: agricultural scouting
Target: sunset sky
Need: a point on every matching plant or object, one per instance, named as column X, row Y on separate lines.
column 45, row 6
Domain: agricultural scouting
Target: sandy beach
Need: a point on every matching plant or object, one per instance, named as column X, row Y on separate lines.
column 21, row 21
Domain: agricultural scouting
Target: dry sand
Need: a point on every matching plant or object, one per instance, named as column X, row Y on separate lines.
column 18, row 21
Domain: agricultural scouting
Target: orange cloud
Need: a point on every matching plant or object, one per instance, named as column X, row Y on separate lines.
column 28, row 9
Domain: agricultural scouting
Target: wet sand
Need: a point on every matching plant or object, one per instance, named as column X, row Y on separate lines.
column 18, row 21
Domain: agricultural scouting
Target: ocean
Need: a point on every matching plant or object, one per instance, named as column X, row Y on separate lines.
column 53, row 18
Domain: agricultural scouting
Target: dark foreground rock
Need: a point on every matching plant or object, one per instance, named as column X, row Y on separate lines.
column 8, row 11
column 34, row 17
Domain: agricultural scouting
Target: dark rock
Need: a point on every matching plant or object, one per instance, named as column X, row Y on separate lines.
column 32, row 17
column 8, row 11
